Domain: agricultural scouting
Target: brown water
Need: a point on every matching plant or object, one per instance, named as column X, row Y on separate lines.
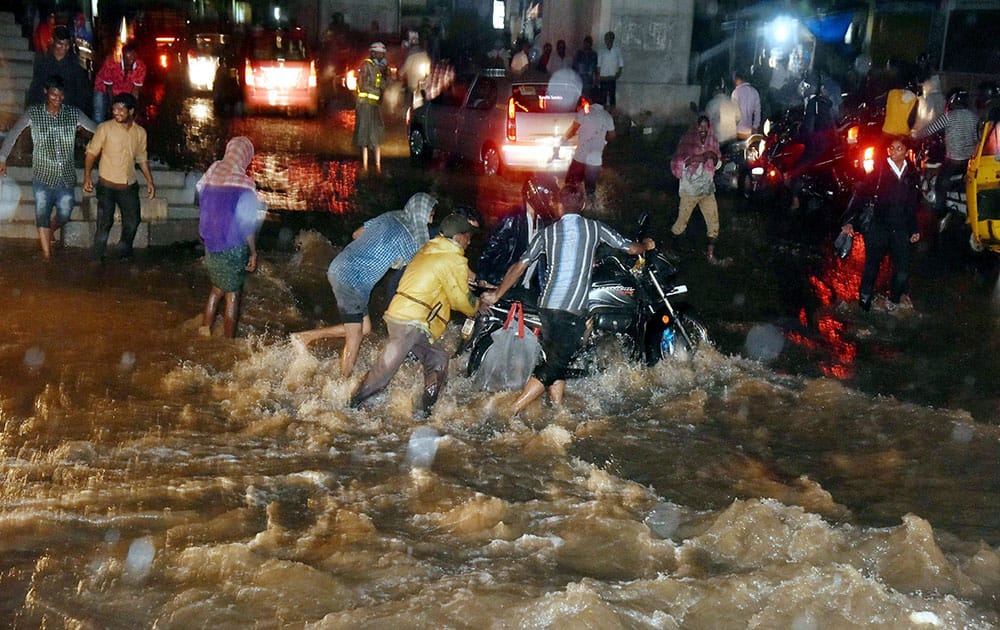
column 156, row 478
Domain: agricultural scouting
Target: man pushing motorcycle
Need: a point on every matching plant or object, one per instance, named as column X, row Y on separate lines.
column 569, row 245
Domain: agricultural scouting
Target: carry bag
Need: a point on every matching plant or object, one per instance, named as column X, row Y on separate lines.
column 842, row 244
column 511, row 358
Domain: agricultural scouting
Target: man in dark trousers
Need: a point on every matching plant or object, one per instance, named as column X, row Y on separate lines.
column 60, row 61
column 893, row 228
column 569, row 245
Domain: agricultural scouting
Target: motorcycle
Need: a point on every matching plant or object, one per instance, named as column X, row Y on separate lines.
column 632, row 299
column 733, row 173
column 929, row 159
column 829, row 177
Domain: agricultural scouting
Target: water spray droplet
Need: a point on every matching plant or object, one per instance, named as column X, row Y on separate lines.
column 34, row 358
column 139, row 560
column 127, row 361
column 422, row 448
column 764, row 342
column 663, row 519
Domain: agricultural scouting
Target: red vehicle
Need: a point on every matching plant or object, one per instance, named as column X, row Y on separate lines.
column 279, row 73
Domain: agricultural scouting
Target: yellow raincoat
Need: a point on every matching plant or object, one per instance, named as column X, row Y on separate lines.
column 436, row 280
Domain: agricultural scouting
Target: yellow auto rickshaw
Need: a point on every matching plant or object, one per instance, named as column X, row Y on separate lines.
column 982, row 187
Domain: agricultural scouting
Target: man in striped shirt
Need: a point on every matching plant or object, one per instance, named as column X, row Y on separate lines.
column 569, row 245
column 959, row 125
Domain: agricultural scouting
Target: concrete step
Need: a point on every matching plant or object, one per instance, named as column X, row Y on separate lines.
column 172, row 196
column 179, row 185
column 20, row 81
column 81, row 233
column 13, row 100
column 10, row 30
column 86, row 209
column 16, row 70
column 16, row 51
column 171, row 217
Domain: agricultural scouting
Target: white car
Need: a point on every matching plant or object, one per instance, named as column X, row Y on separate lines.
column 498, row 121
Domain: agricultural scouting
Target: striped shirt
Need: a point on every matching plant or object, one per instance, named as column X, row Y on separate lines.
column 569, row 245
column 961, row 135
column 383, row 244
column 53, row 138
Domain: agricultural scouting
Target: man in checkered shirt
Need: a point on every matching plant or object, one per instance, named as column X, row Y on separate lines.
column 53, row 132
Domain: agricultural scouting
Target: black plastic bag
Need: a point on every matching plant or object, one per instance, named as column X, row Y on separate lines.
column 843, row 244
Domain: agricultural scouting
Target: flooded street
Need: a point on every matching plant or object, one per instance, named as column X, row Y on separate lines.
column 153, row 477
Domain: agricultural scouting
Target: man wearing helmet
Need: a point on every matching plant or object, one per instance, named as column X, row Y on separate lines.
column 959, row 125
column 368, row 125
column 511, row 235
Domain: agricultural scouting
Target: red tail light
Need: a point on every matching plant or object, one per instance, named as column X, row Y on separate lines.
column 248, row 74
column 164, row 60
column 511, row 123
column 852, row 134
column 584, row 105
column 869, row 159
column 312, row 74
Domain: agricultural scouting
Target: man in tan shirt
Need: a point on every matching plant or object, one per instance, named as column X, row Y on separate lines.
column 119, row 143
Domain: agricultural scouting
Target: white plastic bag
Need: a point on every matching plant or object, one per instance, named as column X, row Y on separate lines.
column 511, row 358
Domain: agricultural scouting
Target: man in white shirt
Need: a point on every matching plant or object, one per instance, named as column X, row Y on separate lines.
column 724, row 114
column 521, row 60
column 609, row 68
column 595, row 127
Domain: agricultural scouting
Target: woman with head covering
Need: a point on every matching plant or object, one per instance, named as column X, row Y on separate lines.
column 385, row 242
column 229, row 218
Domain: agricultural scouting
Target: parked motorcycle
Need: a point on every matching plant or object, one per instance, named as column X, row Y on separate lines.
column 734, row 173
column 929, row 159
column 829, row 176
column 633, row 299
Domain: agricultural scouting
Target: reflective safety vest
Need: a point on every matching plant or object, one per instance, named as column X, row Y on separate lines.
column 374, row 97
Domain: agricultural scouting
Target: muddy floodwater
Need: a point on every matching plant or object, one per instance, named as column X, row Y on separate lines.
column 814, row 467
column 153, row 477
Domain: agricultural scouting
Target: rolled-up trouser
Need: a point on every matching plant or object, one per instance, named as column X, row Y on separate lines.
column 127, row 199
column 46, row 197
column 404, row 339
column 709, row 209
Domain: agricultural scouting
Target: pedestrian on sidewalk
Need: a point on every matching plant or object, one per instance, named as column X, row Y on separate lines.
column 610, row 64
column 119, row 144
column 229, row 216
column 53, row 135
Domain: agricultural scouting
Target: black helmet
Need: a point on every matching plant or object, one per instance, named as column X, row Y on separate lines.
column 541, row 191
column 469, row 213
column 958, row 98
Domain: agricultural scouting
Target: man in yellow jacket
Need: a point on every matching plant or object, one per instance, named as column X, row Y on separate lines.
column 435, row 282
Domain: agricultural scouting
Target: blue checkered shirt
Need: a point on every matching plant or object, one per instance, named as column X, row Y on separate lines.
column 385, row 244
